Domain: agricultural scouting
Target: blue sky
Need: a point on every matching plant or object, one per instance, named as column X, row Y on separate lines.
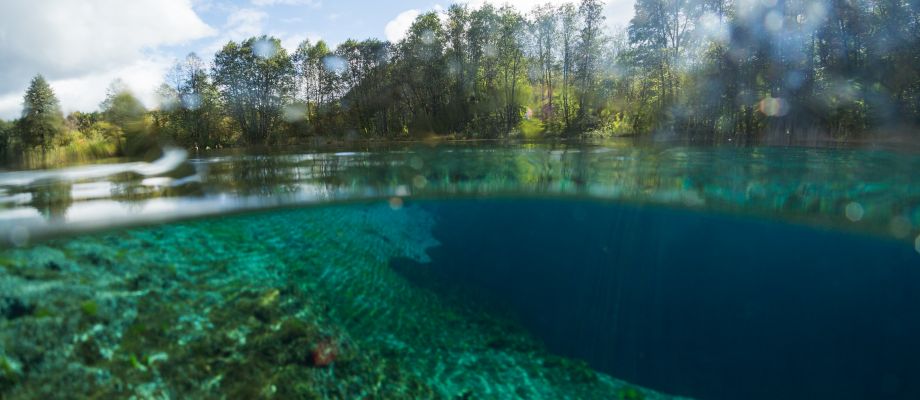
column 81, row 46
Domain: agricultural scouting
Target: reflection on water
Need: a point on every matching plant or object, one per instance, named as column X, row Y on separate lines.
column 872, row 191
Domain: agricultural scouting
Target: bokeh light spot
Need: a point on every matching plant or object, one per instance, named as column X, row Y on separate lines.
column 855, row 212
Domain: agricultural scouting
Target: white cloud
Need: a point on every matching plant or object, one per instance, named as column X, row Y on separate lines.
column 617, row 12
column 240, row 25
column 313, row 3
column 243, row 24
column 397, row 29
column 203, row 5
column 11, row 102
column 290, row 41
column 69, row 40
column 86, row 92
column 142, row 78
column 523, row 5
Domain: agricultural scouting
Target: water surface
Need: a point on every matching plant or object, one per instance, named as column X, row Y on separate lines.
column 458, row 271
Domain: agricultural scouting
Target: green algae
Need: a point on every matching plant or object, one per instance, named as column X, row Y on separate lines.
column 89, row 308
column 8, row 375
column 43, row 312
column 630, row 393
column 288, row 304
column 5, row 367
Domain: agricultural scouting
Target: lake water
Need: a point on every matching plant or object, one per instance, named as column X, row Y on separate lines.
column 492, row 271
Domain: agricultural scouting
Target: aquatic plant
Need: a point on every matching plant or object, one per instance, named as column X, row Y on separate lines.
column 89, row 308
column 630, row 393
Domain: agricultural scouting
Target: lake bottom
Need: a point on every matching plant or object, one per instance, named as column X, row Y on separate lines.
column 492, row 298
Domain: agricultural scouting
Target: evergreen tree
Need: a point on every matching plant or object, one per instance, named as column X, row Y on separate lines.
column 42, row 119
column 6, row 133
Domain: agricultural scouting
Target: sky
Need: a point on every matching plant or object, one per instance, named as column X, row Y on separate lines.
column 80, row 47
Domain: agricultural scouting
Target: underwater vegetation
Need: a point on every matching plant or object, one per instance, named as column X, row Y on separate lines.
column 283, row 304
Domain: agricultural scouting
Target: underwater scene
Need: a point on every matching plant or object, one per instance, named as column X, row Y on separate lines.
column 609, row 270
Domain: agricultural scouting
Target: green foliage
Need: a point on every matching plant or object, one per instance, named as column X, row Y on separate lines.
column 42, row 119
column 786, row 72
column 707, row 69
column 190, row 110
column 129, row 129
column 6, row 137
column 99, row 140
column 531, row 128
column 256, row 80
column 81, row 121
column 121, row 108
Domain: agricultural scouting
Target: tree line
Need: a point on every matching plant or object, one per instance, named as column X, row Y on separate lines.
column 744, row 70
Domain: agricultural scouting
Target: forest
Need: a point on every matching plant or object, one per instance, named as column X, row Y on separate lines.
column 741, row 71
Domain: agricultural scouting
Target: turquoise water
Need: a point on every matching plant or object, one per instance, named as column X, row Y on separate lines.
column 581, row 271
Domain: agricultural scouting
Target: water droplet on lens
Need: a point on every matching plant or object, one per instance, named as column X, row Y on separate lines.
column 419, row 181
column 19, row 236
column 264, row 49
column 855, row 212
column 773, row 21
column 900, row 227
column 416, row 163
column 335, row 64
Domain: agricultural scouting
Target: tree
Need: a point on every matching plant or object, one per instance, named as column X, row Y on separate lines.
column 42, row 119
column 459, row 66
column 315, row 83
column 568, row 18
column 126, row 112
column 660, row 32
column 120, row 107
column 589, row 47
column 545, row 35
column 716, row 69
column 190, row 104
column 256, row 80
column 6, row 133
column 365, row 79
column 422, row 74
column 511, row 63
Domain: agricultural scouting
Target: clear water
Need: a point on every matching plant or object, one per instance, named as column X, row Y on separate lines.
column 608, row 271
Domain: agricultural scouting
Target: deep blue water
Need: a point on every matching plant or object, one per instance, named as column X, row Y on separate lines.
column 703, row 305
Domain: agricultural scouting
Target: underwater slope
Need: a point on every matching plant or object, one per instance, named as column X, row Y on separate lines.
column 713, row 306
column 282, row 304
